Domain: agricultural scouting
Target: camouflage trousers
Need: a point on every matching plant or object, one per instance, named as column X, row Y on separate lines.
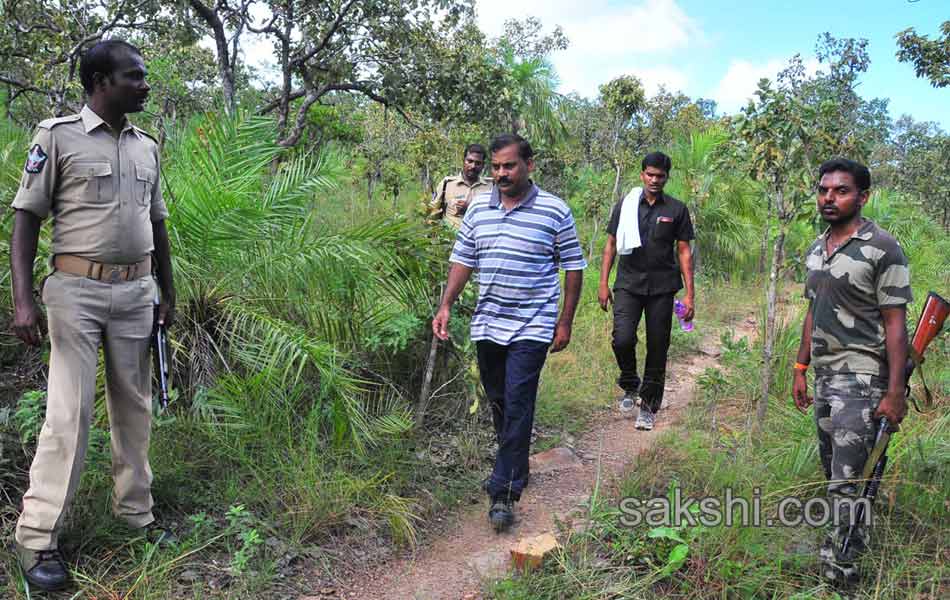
column 844, row 411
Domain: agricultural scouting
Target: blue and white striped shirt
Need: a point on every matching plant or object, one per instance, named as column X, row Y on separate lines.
column 516, row 254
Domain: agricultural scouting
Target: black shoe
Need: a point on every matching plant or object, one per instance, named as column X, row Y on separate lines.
column 501, row 515
column 43, row 569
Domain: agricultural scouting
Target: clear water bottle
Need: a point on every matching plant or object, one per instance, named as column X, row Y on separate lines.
column 680, row 310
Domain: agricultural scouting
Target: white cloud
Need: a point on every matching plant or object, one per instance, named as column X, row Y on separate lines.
column 607, row 38
column 742, row 77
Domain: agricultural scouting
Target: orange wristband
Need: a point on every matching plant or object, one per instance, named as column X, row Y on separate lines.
column 801, row 367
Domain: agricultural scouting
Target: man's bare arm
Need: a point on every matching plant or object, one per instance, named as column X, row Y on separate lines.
column 573, row 282
column 686, row 268
column 163, row 268
column 894, row 404
column 606, row 264
column 27, row 318
column 458, row 276
column 800, row 381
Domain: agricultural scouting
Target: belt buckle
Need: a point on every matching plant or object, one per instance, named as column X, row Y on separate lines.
column 113, row 274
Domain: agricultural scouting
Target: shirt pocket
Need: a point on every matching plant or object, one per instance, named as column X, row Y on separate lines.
column 88, row 181
column 145, row 180
column 663, row 231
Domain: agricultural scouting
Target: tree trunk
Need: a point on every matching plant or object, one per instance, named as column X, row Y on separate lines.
column 778, row 252
column 764, row 247
column 283, row 115
column 166, row 120
column 618, row 171
column 593, row 238
column 223, row 55
column 427, row 179
column 422, row 404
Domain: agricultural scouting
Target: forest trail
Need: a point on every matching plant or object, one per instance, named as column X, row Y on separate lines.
column 455, row 565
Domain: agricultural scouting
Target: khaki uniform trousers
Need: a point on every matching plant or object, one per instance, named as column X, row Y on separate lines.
column 84, row 313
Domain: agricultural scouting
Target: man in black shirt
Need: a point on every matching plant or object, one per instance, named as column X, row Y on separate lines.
column 647, row 279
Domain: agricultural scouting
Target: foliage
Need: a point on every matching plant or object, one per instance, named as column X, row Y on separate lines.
column 785, row 132
column 527, row 101
column 724, row 213
column 41, row 42
column 920, row 165
column 243, row 232
column 931, row 58
column 29, row 415
column 387, row 50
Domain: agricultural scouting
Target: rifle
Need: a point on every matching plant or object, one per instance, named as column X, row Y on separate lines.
column 931, row 321
column 160, row 355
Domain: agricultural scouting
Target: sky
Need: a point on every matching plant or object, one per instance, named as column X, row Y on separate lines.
column 719, row 49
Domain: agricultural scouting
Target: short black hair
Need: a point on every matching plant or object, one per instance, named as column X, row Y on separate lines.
column 474, row 148
column 657, row 160
column 101, row 58
column 860, row 173
column 507, row 139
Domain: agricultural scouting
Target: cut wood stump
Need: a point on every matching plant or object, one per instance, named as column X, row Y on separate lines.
column 529, row 554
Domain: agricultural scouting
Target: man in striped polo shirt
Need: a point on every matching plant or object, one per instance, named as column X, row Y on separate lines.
column 517, row 236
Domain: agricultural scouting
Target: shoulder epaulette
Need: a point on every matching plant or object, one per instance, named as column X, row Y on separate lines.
column 50, row 123
column 145, row 133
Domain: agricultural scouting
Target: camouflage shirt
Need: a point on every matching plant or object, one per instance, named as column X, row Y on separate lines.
column 847, row 291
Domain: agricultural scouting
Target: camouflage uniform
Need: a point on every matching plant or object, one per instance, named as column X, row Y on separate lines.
column 847, row 291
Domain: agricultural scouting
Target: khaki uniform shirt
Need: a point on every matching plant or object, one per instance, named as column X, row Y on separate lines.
column 447, row 204
column 102, row 190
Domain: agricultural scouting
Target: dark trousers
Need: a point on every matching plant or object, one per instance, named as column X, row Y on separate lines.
column 510, row 376
column 628, row 309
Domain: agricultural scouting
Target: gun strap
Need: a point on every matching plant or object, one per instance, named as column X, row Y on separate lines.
column 928, row 397
column 918, row 361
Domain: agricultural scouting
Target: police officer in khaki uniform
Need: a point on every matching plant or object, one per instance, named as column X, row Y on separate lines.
column 97, row 175
column 456, row 192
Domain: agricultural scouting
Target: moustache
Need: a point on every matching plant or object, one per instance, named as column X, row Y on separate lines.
column 504, row 180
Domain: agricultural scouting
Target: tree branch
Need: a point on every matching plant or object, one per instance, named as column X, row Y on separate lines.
column 327, row 37
column 23, row 86
column 270, row 106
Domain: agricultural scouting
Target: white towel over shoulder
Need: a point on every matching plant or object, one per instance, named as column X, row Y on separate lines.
column 628, row 230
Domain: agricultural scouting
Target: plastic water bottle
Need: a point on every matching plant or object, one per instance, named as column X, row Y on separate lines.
column 680, row 309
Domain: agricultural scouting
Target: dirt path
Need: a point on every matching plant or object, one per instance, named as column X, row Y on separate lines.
column 454, row 566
